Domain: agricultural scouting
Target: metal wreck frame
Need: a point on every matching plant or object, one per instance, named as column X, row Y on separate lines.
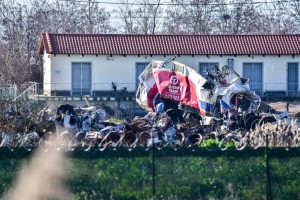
column 221, row 90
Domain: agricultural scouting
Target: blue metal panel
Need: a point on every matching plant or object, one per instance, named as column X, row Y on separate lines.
column 292, row 79
column 254, row 72
column 81, row 79
column 230, row 63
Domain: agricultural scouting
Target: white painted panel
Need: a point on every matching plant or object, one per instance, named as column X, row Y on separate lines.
column 47, row 73
column 121, row 70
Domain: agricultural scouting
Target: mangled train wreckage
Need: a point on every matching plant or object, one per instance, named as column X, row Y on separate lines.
column 218, row 106
column 220, row 94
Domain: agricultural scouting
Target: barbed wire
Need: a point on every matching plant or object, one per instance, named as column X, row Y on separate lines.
column 279, row 134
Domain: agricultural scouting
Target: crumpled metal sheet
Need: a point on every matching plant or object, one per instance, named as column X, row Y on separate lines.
column 185, row 86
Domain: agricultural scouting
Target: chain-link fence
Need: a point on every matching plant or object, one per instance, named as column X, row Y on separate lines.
column 168, row 173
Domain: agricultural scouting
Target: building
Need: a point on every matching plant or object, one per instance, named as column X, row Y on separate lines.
column 87, row 64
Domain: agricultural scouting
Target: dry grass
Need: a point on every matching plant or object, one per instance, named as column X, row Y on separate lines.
column 294, row 107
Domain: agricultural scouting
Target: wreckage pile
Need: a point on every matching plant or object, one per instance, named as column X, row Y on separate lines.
column 75, row 127
column 184, row 109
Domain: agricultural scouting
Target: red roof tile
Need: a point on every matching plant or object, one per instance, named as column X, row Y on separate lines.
column 119, row 44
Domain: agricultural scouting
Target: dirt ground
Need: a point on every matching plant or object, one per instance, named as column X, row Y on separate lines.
column 280, row 106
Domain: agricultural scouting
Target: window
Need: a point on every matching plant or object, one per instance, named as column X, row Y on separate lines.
column 81, row 78
column 253, row 72
column 292, row 79
column 230, row 63
column 209, row 66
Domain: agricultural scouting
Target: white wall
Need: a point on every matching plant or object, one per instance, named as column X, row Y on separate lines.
column 47, row 73
column 120, row 69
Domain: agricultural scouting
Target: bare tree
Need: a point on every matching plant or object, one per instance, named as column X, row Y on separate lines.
column 245, row 17
column 291, row 20
column 22, row 23
column 126, row 17
column 231, row 17
column 192, row 17
column 252, row 17
column 295, row 7
column 222, row 24
column 174, row 22
column 91, row 18
column 140, row 17
column 74, row 17
column 13, row 38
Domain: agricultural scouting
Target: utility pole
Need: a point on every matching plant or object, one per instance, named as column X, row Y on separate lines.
column 90, row 20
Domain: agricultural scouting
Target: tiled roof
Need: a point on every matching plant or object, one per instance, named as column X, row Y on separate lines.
column 120, row 44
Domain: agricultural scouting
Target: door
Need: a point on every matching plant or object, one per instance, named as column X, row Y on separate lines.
column 253, row 72
column 292, row 79
column 81, row 79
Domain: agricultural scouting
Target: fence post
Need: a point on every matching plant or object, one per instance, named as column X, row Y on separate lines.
column 153, row 171
column 268, row 184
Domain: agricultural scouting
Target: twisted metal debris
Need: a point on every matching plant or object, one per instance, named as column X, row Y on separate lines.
column 91, row 131
column 214, row 110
